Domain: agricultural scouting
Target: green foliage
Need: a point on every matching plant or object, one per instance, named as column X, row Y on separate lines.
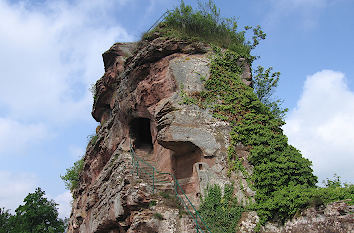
column 158, row 216
column 286, row 202
column 71, row 177
column 152, row 203
column 5, row 220
column 37, row 215
column 264, row 84
column 276, row 164
column 92, row 139
column 282, row 177
column 206, row 25
column 331, row 194
column 335, row 182
column 221, row 212
column 186, row 99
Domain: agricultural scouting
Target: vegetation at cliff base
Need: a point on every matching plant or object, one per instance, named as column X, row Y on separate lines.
column 287, row 202
column 222, row 210
column 36, row 215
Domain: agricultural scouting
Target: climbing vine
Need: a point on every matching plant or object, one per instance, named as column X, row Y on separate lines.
column 277, row 164
column 221, row 211
column 282, row 178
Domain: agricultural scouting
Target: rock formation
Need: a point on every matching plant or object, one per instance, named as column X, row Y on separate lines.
column 140, row 101
column 335, row 217
column 139, row 98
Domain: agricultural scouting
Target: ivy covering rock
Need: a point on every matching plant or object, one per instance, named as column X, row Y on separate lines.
column 282, row 178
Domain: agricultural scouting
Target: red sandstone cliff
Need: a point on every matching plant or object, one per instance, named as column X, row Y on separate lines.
column 140, row 99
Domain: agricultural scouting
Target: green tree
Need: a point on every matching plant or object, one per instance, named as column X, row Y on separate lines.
column 37, row 215
column 4, row 220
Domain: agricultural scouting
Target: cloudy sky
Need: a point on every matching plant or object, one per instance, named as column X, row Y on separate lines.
column 50, row 54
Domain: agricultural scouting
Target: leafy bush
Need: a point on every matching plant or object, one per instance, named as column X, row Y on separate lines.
column 284, row 203
column 221, row 212
column 205, row 24
column 71, row 177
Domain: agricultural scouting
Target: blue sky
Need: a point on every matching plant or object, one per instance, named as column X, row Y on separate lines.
column 51, row 54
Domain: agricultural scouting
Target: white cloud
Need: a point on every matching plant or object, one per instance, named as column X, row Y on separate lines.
column 64, row 204
column 322, row 125
column 16, row 136
column 51, row 54
column 14, row 188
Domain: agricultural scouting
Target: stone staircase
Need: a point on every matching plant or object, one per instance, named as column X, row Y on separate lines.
column 145, row 166
column 161, row 181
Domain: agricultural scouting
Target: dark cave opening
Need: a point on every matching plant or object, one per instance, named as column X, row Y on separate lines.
column 140, row 133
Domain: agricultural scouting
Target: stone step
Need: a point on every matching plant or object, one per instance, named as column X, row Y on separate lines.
column 156, row 178
column 162, row 181
column 158, row 175
column 160, row 186
column 164, row 186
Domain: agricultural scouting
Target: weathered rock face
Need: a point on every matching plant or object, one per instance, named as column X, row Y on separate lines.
column 140, row 101
column 335, row 217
